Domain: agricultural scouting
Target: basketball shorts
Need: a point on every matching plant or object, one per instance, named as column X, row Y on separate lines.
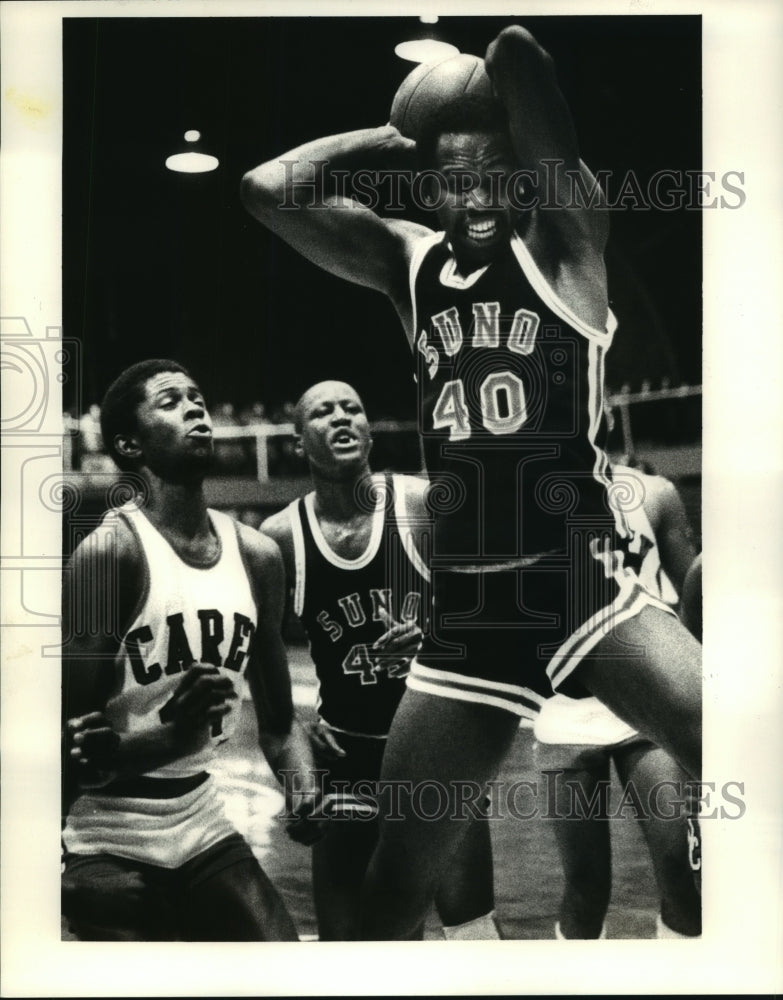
column 350, row 782
column 509, row 637
column 166, row 831
column 352, row 789
column 579, row 722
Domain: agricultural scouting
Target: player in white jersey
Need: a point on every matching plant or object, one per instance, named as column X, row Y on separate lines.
column 352, row 552
column 580, row 738
column 168, row 605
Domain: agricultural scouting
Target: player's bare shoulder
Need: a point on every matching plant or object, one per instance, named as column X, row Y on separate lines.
column 261, row 548
column 279, row 528
column 113, row 539
column 415, row 490
column 409, row 235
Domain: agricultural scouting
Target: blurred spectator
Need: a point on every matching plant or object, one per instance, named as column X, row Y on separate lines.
column 283, row 461
column 230, row 458
column 254, row 414
column 92, row 457
column 90, row 430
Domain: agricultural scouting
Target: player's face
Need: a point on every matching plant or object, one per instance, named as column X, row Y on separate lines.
column 473, row 207
column 335, row 436
column 174, row 429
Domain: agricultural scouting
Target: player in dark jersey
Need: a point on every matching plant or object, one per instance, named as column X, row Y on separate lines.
column 581, row 738
column 352, row 554
column 507, row 312
column 167, row 606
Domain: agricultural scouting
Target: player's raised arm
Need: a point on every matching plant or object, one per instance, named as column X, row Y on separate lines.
column 545, row 141
column 281, row 737
column 292, row 195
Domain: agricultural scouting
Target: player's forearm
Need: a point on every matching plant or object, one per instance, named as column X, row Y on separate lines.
column 297, row 179
column 94, row 763
column 523, row 76
column 155, row 747
column 290, row 753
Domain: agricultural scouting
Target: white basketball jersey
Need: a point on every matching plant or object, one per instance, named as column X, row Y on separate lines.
column 188, row 613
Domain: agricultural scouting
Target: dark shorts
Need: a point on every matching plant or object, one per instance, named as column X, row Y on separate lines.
column 509, row 637
column 350, row 782
column 110, row 898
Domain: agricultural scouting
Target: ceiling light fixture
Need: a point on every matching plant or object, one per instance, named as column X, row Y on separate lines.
column 425, row 50
column 192, row 162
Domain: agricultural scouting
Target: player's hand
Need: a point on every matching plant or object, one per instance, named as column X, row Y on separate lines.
column 91, row 744
column 201, row 698
column 324, row 742
column 399, row 643
column 400, row 152
column 305, row 819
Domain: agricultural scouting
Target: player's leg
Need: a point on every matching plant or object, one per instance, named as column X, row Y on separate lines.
column 340, row 861
column 427, row 777
column 108, row 898
column 583, row 841
column 227, row 897
column 660, row 784
column 648, row 671
column 465, row 898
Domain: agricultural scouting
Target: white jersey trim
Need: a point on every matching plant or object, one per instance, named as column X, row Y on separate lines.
column 419, row 252
column 451, row 278
column 299, row 557
column 376, row 533
column 553, row 300
column 595, row 383
column 406, row 536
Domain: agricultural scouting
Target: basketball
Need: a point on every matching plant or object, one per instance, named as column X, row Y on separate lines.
column 429, row 86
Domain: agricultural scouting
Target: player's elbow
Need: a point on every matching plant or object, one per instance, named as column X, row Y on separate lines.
column 262, row 192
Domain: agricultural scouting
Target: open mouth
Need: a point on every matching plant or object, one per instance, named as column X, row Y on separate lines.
column 344, row 439
column 482, row 230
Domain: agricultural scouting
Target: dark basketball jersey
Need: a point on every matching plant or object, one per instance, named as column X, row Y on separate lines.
column 510, row 386
column 341, row 602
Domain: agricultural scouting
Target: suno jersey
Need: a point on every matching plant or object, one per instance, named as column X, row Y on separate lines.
column 510, row 386
column 340, row 603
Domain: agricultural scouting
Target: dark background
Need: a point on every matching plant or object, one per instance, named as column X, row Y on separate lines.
column 157, row 263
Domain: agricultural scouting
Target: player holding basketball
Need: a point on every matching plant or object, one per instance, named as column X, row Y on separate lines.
column 507, row 312
column 190, row 602
column 361, row 589
column 581, row 737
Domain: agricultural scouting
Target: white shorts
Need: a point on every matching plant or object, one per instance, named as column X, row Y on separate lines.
column 166, row 831
column 583, row 721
